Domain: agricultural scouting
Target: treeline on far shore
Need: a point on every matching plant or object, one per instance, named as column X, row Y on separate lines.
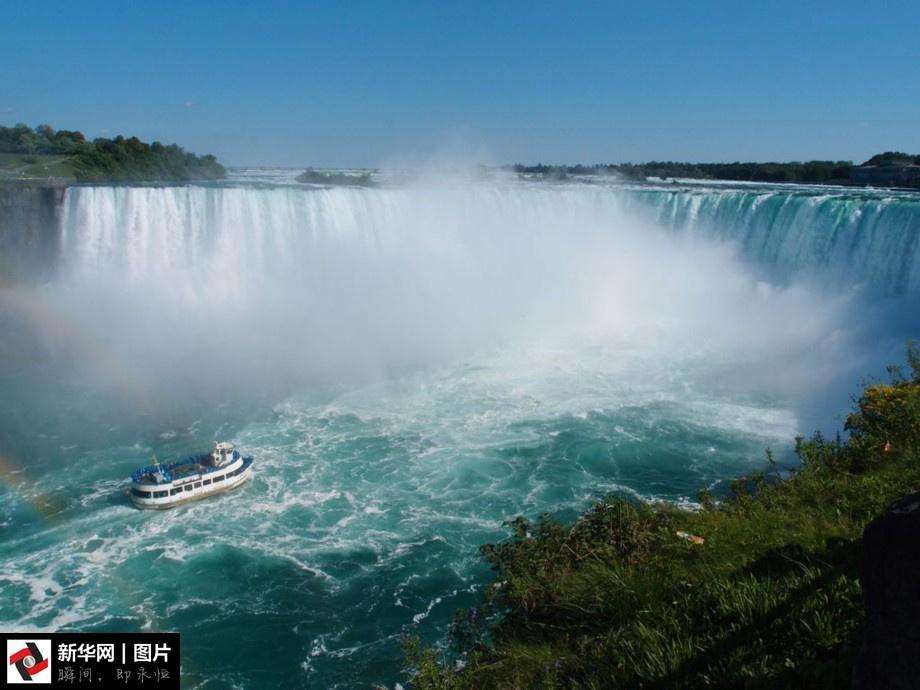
column 117, row 160
column 819, row 172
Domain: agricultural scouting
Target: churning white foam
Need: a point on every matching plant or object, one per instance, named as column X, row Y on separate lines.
column 270, row 287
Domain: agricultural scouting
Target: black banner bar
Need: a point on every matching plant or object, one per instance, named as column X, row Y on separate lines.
column 104, row 661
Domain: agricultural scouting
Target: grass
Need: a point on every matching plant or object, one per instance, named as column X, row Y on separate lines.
column 25, row 166
column 770, row 598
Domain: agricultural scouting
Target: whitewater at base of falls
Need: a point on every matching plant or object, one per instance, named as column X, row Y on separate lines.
column 411, row 367
column 354, row 283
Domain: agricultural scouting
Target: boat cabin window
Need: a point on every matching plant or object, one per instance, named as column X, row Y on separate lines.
column 219, row 479
column 160, row 494
column 188, row 487
column 198, row 485
column 206, row 482
column 175, row 491
column 141, row 494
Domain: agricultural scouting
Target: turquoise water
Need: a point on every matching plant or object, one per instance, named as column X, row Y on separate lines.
column 410, row 367
column 363, row 518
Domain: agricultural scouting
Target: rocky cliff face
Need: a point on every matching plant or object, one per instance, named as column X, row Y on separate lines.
column 29, row 229
column 890, row 577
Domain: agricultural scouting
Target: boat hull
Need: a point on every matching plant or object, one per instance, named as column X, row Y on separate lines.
column 187, row 492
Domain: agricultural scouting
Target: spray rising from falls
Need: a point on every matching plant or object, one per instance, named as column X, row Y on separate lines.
column 871, row 237
column 311, row 284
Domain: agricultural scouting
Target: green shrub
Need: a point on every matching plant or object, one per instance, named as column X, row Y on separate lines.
column 767, row 595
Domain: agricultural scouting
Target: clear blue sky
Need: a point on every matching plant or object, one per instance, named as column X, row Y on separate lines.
column 367, row 83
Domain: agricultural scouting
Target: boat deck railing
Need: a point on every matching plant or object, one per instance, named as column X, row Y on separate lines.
column 163, row 474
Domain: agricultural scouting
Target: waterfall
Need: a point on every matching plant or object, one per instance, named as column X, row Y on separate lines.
column 346, row 282
column 848, row 237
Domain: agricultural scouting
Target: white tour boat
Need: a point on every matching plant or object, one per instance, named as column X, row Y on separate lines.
column 164, row 486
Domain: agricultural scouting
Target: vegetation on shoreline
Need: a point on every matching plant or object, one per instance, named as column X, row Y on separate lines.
column 759, row 590
column 812, row 172
column 17, row 166
column 825, row 172
column 311, row 176
column 893, row 158
column 46, row 152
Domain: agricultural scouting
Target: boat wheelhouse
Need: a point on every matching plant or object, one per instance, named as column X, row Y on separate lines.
column 164, row 486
